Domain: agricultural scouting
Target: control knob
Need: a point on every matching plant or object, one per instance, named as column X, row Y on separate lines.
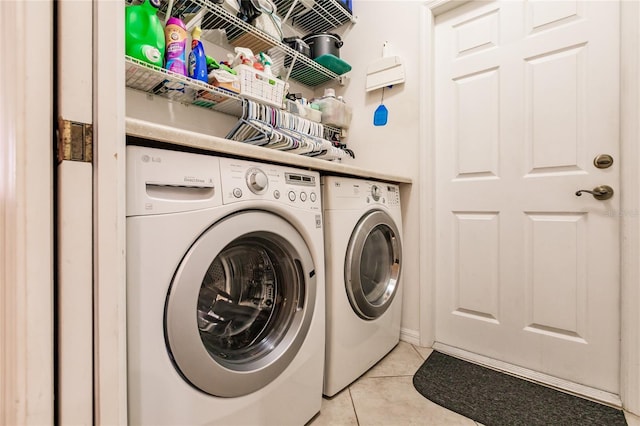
column 375, row 192
column 257, row 181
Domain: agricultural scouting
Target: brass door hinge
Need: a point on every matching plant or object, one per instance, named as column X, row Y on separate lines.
column 75, row 141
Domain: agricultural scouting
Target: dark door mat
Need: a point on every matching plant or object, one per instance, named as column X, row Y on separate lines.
column 493, row 398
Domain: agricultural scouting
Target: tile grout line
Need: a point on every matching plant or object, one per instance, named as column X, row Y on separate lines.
column 419, row 354
column 354, row 406
column 389, row 377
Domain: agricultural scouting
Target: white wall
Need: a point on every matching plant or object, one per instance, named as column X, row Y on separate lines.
column 393, row 148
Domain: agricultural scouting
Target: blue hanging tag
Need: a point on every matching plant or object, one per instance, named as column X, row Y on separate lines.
column 380, row 116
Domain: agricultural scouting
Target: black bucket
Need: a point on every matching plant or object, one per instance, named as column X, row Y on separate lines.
column 324, row 43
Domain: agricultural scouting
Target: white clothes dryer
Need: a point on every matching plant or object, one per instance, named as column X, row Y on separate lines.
column 225, row 291
column 363, row 260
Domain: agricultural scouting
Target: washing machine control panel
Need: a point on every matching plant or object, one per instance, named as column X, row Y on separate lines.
column 244, row 180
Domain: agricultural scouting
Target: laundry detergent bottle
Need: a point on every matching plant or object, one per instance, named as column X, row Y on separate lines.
column 197, row 58
column 175, row 35
column 144, row 35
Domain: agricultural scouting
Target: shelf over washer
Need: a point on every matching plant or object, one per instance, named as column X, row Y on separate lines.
column 287, row 62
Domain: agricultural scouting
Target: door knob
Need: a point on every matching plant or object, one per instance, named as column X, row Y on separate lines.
column 602, row 192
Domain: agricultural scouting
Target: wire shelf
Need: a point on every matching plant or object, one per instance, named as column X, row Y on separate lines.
column 159, row 81
column 153, row 80
column 331, row 133
column 286, row 62
column 314, row 16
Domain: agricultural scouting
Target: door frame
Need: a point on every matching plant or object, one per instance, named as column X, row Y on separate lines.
column 26, row 214
column 109, row 226
column 73, row 215
column 630, row 202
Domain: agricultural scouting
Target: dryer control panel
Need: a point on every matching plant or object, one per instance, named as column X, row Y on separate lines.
column 244, row 180
column 348, row 193
column 393, row 194
column 380, row 193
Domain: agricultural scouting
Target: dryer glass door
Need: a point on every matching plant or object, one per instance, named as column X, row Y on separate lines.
column 372, row 264
column 240, row 304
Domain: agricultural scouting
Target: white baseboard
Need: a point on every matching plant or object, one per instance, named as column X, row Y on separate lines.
column 410, row 336
column 533, row 376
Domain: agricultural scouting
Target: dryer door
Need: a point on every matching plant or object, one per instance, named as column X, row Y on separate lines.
column 240, row 304
column 372, row 264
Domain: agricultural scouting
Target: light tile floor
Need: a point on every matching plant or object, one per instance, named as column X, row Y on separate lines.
column 385, row 396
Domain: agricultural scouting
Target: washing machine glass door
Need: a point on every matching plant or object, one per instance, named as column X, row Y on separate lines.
column 372, row 264
column 240, row 304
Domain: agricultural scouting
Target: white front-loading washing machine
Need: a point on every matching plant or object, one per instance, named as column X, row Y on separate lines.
column 363, row 259
column 225, row 291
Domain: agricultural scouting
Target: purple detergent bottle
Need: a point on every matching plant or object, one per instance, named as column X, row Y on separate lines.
column 175, row 34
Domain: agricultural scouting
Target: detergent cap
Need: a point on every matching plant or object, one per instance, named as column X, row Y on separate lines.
column 196, row 33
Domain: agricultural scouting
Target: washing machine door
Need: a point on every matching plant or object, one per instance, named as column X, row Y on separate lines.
column 240, row 304
column 372, row 265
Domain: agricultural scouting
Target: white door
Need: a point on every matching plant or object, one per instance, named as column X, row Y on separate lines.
column 528, row 272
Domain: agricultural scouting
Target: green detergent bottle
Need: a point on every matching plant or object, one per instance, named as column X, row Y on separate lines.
column 144, row 32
